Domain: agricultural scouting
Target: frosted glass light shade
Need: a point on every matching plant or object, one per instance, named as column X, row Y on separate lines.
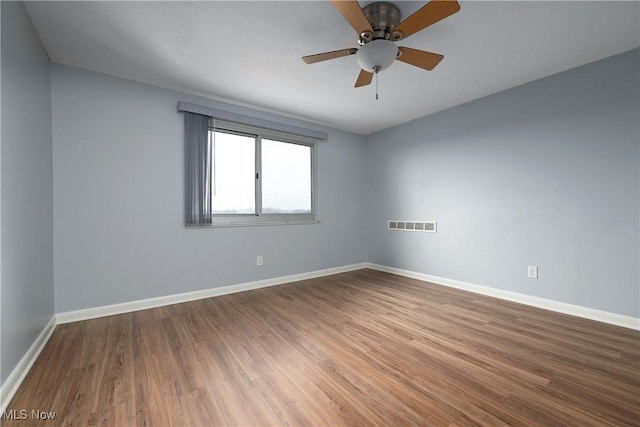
column 376, row 53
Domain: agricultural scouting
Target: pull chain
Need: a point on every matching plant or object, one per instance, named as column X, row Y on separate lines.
column 376, row 69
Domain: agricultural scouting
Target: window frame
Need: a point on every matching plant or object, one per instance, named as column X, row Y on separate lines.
column 260, row 218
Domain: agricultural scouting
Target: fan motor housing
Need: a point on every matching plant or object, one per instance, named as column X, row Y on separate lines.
column 383, row 17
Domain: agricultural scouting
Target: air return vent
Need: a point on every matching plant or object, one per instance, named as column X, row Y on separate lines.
column 424, row 226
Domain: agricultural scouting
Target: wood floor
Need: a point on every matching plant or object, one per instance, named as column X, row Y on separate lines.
column 359, row 349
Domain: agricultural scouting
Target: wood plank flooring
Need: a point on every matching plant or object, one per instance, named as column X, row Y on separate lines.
column 359, row 349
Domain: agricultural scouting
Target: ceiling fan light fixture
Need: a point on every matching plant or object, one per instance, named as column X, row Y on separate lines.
column 377, row 55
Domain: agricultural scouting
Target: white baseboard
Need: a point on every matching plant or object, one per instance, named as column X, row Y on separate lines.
column 127, row 307
column 561, row 307
column 15, row 378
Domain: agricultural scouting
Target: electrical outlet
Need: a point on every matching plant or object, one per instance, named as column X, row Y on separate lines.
column 532, row 272
column 259, row 260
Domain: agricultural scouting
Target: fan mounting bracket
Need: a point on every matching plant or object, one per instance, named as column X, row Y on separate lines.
column 383, row 17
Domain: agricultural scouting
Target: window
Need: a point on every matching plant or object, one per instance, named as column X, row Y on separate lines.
column 260, row 176
column 247, row 170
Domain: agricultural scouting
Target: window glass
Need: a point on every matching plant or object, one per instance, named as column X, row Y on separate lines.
column 233, row 174
column 286, row 178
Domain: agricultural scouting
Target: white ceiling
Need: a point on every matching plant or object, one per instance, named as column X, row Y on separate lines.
column 248, row 52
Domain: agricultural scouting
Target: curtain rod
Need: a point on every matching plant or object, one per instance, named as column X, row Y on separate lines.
column 251, row 121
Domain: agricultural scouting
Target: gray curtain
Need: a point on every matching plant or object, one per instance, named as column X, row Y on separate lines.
column 198, row 169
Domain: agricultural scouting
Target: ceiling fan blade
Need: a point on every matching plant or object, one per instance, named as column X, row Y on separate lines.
column 352, row 12
column 429, row 14
column 419, row 58
column 364, row 78
column 312, row 59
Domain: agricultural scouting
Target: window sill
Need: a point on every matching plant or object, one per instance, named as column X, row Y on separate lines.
column 222, row 224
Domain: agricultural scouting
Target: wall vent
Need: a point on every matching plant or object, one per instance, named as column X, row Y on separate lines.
column 424, row 226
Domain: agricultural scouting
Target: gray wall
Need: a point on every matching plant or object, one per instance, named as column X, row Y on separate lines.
column 544, row 174
column 27, row 204
column 118, row 201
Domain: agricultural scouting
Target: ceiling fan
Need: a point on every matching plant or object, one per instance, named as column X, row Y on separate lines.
column 378, row 27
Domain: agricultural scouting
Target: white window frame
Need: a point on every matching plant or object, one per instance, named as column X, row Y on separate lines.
column 260, row 218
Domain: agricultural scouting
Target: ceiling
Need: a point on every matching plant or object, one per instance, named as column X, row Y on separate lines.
column 248, row 52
